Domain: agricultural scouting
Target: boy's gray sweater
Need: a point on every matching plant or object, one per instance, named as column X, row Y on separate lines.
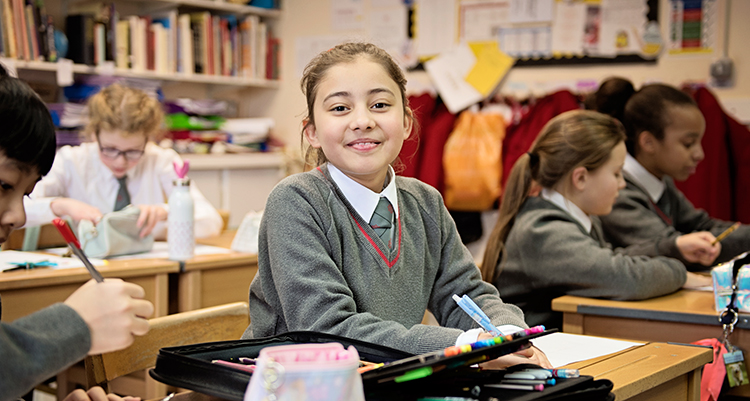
column 635, row 220
column 549, row 254
column 36, row 347
column 320, row 268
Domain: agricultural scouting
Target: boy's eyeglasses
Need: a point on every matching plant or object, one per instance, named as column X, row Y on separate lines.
column 114, row 153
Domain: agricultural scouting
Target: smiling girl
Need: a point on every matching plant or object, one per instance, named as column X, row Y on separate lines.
column 550, row 245
column 350, row 248
column 121, row 165
column 664, row 130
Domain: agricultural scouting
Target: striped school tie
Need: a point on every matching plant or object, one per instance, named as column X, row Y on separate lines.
column 382, row 221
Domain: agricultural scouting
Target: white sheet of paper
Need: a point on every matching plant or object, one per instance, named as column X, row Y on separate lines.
column 481, row 20
column 9, row 257
column 388, row 27
column 447, row 72
column 568, row 27
column 563, row 348
column 621, row 27
column 436, row 26
column 347, row 15
column 528, row 11
column 307, row 47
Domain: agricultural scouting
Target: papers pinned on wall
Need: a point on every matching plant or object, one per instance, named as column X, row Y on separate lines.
column 463, row 77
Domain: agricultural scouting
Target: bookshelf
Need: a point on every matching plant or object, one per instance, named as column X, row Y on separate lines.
column 179, row 41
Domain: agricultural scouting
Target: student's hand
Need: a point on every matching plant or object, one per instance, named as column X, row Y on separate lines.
column 150, row 215
column 529, row 355
column 96, row 394
column 695, row 281
column 76, row 209
column 696, row 247
column 114, row 311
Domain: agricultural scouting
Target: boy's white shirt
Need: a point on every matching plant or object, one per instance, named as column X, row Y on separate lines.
column 79, row 173
column 571, row 208
column 653, row 185
column 364, row 201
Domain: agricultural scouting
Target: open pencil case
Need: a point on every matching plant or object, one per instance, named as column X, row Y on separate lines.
column 433, row 373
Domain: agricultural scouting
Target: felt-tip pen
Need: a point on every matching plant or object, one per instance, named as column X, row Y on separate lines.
column 529, row 387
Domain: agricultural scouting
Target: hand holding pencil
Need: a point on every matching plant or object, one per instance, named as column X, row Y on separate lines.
column 699, row 247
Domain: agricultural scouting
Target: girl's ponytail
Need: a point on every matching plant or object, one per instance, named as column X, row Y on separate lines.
column 516, row 191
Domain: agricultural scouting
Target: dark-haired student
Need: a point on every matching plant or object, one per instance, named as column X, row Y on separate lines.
column 97, row 317
column 664, row 129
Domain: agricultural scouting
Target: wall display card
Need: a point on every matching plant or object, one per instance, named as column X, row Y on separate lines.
column 307, row 47
column 481, row 20
column 526, row 11
column 447, row 72
column 692, row 26
column 347, row 15
column 388, row 28
column 568, row 27
column 436, row 26
column 622, row 27
column 526, row 42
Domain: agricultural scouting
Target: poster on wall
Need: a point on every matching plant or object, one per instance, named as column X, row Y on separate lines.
column 692, row 26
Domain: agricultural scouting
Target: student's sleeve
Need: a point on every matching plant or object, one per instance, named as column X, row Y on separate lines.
column 690, row 219
column 568, row 258
column 51, row 186
column 459, row 275
column 208, row 222
column 633, row 222
column 38, row 346
column 310, row 287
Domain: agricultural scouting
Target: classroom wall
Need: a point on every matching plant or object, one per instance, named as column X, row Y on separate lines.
column 303, row 18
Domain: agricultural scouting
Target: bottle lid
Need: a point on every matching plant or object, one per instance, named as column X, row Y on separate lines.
column 181, row 182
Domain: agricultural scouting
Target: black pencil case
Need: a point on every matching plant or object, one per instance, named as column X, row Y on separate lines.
column 191, row 367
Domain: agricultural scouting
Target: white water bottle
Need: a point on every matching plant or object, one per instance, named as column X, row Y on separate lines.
column 181, row 225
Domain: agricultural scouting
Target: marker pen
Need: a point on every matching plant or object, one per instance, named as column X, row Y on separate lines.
column 550, row 382
column 531, row 387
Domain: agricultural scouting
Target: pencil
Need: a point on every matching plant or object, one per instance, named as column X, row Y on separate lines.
column 725, row 233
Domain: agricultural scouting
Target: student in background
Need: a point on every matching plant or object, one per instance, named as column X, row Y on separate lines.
column 121, row 167
column 549, row 245
column 664, row 130
column 323, row 267
column 97, row 317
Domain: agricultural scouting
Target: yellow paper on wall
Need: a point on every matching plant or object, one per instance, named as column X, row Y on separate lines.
column 492, row 65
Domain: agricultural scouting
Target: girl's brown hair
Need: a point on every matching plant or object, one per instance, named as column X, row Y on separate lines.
column 316, row 70
column 639, row 111
column 577, row 138
column 129, row 110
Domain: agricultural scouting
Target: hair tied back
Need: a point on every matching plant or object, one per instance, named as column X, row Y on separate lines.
column 533, row 159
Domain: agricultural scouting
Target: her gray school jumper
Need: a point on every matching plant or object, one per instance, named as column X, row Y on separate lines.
column 321, row 267
column 36, row 347
column 549, row 254
column 635, row 220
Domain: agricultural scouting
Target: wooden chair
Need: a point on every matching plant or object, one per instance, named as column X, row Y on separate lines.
column 46, row 235
column 219, row 323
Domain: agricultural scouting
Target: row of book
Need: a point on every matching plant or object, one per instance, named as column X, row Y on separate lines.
column 165, row 42
column 26, row 31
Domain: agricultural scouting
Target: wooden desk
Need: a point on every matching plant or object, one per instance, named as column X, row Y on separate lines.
column 211, row 280
column 653, row 372
column 683, row 317
column 24, row 292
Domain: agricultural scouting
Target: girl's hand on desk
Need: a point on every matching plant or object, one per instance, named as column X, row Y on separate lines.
column 697, row 281
column 96, row 394
column 528, row 355
column 696, row 247
column 114, row 311
column 150, row 215
column 75, row 209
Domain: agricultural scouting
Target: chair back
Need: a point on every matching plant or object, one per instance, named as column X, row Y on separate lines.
column 218, row 323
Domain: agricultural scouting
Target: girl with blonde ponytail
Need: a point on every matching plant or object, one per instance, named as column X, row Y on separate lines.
column 547, row 241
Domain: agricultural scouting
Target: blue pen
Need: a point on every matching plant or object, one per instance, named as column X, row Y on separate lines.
column 476, row 313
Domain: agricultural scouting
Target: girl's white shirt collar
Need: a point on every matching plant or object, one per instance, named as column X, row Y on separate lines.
column 571, row 208
column 653, row 185
column 362, row 198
